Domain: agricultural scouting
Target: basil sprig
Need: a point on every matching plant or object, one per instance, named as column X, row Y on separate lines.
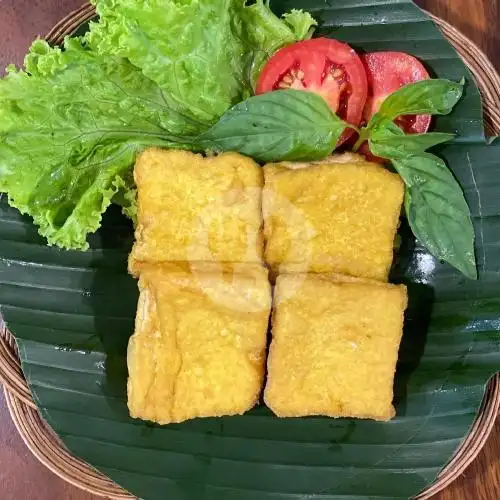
column 427, row 97
column 435, row 205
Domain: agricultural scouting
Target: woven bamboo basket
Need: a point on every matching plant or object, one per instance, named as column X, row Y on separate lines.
column 48, row 448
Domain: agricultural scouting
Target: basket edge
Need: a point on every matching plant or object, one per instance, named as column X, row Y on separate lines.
column 17, row 392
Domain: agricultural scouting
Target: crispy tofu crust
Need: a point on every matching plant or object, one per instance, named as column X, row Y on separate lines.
column 334, row 347
column 192, row 208
column 339, row 215
column 199, row 345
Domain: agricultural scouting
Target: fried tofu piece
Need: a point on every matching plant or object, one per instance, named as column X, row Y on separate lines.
column 334, row 347
column 192, row 208
column 339, row 215
column 199, row 346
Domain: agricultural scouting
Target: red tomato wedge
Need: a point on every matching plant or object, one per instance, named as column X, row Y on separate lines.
column 388, row 72
column 327, row 67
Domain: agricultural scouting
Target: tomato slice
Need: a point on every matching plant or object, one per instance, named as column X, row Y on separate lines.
column 327, row 67
column 388, row 72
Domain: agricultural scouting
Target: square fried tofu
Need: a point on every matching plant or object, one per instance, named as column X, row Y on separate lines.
column 199, row 346
column 334, row 347
column 339, row 215
column 192, row 208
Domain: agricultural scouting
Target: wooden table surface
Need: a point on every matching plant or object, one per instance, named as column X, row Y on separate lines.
column 21, row 476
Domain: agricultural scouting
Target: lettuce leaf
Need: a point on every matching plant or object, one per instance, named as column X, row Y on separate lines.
column 204, row 54
column 149, row 73
column 264, row 33
column 70, row 128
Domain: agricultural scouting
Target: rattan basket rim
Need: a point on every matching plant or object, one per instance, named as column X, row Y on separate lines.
column 48, row 448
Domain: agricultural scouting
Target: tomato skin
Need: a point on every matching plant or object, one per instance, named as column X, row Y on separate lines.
column 386, row 73
column 364, row 150
column 316, row 61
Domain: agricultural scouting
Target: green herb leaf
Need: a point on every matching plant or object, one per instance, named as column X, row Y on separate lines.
column 427, row 97
column 437, row 211
column 387, row 140
column 281, row 125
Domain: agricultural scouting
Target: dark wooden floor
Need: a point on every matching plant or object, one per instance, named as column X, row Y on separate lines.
column 21, row 476
column 478, row 19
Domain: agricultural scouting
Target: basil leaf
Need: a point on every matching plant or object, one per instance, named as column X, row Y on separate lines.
column 281, row 125
column 387, row 140
column 437, row 211
column 427, row 97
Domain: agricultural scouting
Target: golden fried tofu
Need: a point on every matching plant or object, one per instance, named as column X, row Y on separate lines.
column 192, row 208
column 334, row 347
column 339, row 215
column 199, row 345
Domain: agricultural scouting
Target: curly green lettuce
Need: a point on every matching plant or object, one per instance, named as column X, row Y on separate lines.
column 149, row 73
column 264, row 33
column 71, row 124
column 204, row 54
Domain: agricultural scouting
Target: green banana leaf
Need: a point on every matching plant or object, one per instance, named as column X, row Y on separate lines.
column 72, row 314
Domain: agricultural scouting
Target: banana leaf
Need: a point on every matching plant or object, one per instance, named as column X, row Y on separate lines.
column 72, row 314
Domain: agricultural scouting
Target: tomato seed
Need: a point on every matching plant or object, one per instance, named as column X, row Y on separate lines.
column 338, row 73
